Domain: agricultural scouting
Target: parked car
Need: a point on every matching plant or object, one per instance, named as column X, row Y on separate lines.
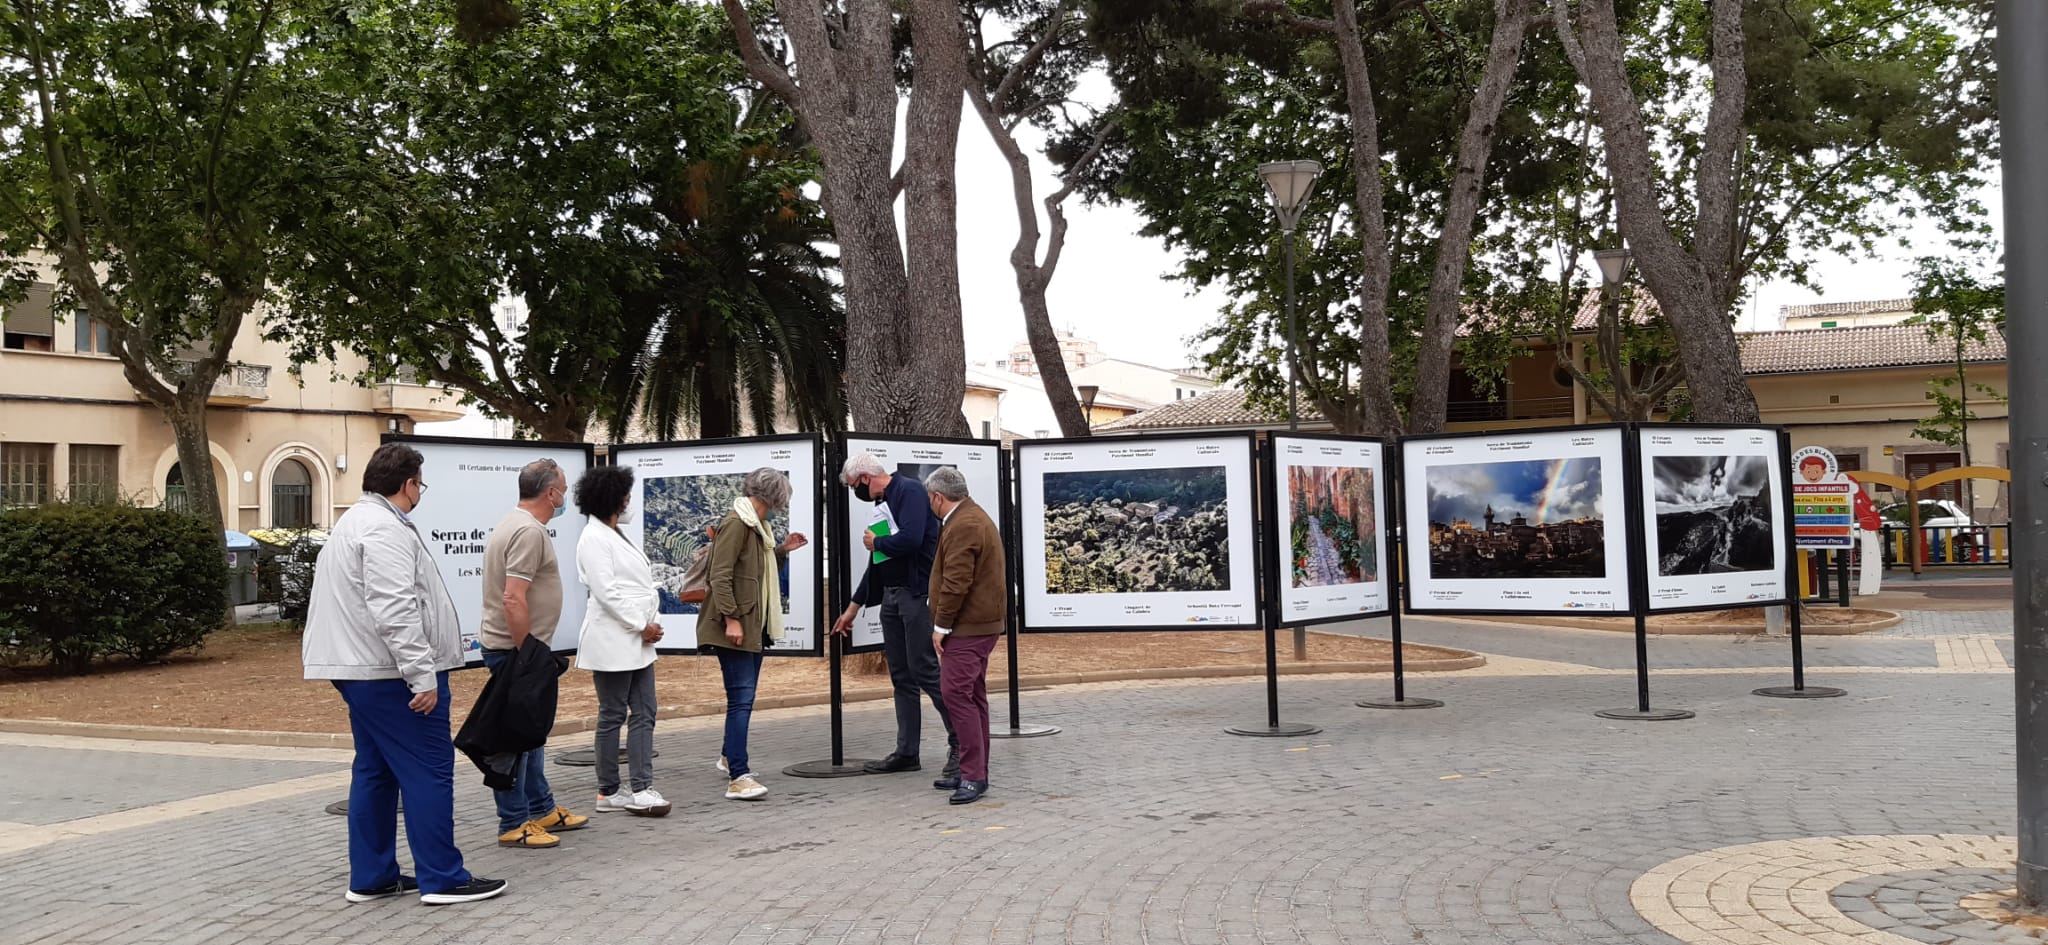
column 1939, row 516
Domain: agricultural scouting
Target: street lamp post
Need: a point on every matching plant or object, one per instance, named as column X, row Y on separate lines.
column 1088, row 392
column 1289, row 182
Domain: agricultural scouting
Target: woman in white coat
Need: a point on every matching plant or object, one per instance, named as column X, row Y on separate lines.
column 621, row 624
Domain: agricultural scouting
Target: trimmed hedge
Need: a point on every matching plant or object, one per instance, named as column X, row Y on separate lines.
column 83, row 582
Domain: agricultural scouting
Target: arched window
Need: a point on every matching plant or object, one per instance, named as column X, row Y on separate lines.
column 174, row 489
column 291, row 495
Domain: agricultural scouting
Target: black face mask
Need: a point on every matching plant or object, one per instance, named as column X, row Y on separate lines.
column 860, row 491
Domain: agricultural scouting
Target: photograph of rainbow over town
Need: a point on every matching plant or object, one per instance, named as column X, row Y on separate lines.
column 1522, row 519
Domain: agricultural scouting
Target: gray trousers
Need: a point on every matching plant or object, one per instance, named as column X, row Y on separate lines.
column 617, row 694
column 913, row 667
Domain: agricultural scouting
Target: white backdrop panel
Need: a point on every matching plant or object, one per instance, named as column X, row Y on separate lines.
column 471, row 487
column 1517, row 522
column 1714, row 516
column 1337, row 566
column 980, row 463
column 680, row 491
column 1149, row 533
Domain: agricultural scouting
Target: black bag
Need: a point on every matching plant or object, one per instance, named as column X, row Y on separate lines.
column 514, row 713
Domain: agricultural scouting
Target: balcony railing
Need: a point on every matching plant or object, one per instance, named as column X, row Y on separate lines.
column 1520, row 408
column 238, row 385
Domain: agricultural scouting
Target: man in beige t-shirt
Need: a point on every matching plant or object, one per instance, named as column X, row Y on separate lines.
column 523, row 597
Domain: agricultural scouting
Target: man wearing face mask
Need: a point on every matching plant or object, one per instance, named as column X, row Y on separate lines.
column 523, row 597
column 900, row 584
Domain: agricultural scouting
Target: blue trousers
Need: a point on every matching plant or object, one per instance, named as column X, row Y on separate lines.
column 530, row 798
column 400, row 752
column 742, row 672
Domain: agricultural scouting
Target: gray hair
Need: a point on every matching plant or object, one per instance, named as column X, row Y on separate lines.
column 860, row 466
column 537, row 477
column 769, row 485
column 948, row 482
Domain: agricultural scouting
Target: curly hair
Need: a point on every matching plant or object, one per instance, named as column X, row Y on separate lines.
column 603, row 491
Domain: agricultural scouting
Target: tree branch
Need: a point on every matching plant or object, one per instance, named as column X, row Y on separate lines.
column 229, row 100
column 1056, row 25
column 1280, row 11
column 1714, row 181
column 770, row 74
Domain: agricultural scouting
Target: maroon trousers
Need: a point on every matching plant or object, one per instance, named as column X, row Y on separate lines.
column 963, row 682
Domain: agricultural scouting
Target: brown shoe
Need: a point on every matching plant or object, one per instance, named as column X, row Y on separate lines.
column 529, row 836
column 562, row 820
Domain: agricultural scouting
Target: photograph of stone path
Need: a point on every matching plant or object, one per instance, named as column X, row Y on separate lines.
column 1333, row 532
column 1511, row 815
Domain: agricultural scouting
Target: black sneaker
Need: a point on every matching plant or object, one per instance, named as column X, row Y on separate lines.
column 472, row 891
column 892, row 764
column 404, row 885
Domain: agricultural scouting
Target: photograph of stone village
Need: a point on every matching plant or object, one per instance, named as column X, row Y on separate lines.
column 1506, row 544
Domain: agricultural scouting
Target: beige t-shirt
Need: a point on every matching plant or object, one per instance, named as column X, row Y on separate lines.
column 520, row 547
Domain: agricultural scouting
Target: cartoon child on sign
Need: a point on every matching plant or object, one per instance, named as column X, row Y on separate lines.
column 1813, row 469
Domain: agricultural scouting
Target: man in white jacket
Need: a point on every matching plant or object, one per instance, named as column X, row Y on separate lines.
column 381, row 626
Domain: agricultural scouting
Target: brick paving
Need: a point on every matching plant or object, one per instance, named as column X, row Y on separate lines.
column 1511, row 815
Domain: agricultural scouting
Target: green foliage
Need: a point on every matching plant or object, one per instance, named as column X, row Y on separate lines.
column 83, row 582
column 1959, row 309
column 284, row 572
column 603, row 164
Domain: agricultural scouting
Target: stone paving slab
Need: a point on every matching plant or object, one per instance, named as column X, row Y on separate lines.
column 1510, row 815
column 47, row 785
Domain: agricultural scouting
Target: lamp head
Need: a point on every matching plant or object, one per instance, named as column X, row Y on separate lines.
column 1613, row 265
column 1289, row 183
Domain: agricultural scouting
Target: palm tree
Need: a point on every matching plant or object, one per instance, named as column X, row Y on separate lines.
column 745, row 317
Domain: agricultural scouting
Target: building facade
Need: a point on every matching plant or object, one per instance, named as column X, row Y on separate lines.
column 287, row 447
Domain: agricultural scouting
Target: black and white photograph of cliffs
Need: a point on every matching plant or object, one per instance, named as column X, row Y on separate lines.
column 1713, row 514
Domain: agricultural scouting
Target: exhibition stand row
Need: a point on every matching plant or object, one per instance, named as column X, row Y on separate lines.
column 1221, row 531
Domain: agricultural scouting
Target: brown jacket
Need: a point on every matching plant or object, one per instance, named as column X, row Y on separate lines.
column 738, row 566
column 968, row 574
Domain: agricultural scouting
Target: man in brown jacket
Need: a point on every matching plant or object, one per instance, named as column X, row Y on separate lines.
column 970, row 608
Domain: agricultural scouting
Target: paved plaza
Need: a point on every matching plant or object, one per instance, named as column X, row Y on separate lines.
column 1511, row 815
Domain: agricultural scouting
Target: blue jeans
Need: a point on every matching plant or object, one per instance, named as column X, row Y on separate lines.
column 400, row 752
column 742, row 674
column 530, row 797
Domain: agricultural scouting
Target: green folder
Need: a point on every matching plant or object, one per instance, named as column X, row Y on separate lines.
column 880, row 530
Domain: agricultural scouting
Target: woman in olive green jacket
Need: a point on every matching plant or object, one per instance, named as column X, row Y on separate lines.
column 743, row 610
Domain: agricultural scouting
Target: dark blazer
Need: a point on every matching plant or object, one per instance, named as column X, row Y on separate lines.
column 910, row 550
column 514, row 713
column 968, row 581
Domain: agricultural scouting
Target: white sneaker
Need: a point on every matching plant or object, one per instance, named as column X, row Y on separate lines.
column 613, row 803
column 744, row 788
column 648, row 803
column 722, row 769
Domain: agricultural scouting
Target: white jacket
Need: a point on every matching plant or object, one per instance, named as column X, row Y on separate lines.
column 378, row 608
column 622, row 601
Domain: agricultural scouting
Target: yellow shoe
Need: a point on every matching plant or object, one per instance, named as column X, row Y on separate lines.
column 562, row 820
column 530, row 836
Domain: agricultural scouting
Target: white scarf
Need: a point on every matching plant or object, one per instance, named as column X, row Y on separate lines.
column 771, row 584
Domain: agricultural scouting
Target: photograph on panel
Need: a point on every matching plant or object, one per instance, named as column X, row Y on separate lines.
column 1713, row 514
column 1332, row 533
column 1517, row 519
column 1137, row 531
column 679, row 515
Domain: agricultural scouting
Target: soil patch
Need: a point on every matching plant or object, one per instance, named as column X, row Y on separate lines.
column 249, row 678
column 1819, row 620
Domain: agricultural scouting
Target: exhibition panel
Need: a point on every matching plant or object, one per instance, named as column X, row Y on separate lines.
column 682, row 491
column 1131, row 533
column 1327, row 557
column 474, row 484
column 1714, row 534
column 980, row 461
column 1522, row 522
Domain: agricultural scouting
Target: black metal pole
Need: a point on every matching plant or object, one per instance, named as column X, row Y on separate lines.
column 1272, row 679
column 1842, row 575
column 1792, row 614
column 838, row 712
column 1400, row 677
column 1642, row 661
column 2022, row 36
column 1011, row 645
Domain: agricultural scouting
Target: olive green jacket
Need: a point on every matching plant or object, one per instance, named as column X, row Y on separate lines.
column 738, row 566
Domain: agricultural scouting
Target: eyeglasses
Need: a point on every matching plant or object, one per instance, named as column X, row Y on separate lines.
column 420, row 483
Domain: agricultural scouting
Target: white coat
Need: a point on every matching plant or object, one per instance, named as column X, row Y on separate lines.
column 378, row 608
column 622, row 602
